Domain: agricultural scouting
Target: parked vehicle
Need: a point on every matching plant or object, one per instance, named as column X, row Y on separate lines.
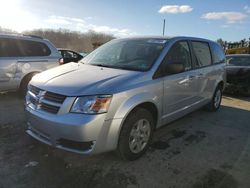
column 21, row 57
column 69, row 56
column 115, row 97
column 238, row 74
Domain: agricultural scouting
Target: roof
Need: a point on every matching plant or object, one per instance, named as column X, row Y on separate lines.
column 165, row 38
column 20, row 36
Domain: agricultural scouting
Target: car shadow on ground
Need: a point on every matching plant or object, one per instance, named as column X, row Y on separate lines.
column 237, row 96
column 27, row 163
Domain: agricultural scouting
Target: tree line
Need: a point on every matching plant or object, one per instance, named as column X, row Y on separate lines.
column 86, row 42
column 62, row 38
column 237, row 44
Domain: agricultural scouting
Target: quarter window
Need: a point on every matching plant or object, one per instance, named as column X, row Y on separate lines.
column 33, row 48
column 202, row 54
column 217, row 53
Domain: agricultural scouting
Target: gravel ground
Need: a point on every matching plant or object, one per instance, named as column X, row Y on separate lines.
column 201, row 150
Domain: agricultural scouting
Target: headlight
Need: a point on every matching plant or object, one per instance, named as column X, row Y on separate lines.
column 91, row 104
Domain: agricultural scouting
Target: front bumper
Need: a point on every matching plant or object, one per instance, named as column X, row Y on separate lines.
column 79, row 133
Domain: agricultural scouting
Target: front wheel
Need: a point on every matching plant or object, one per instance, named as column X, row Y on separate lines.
column 136, row 134
column 215, row 103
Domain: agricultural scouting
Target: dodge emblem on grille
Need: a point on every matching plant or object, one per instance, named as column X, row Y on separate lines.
column 41, row 94
column 39, row 98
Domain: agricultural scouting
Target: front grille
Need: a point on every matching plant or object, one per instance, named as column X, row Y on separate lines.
column 34, row 90
column 33, row 100
column 54, row 97
column 49, row 108
column 44, row 100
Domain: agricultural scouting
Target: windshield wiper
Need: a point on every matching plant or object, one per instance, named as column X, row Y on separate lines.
column 127, row 68
column 102, row 65
column 115, row 67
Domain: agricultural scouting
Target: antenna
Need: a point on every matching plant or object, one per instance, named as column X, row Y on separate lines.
column 163, row 32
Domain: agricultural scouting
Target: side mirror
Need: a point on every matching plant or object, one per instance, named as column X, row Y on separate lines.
column 174, row 68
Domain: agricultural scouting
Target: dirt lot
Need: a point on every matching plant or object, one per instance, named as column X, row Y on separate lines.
column 202, row 149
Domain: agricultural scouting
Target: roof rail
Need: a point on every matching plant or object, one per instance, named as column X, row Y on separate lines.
column 34, row 36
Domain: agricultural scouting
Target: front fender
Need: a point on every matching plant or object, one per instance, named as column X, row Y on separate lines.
column 122, row 113
column 135, row 100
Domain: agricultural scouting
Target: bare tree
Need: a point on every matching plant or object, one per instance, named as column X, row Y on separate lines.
column 221, row 42
column 6, row 31
column 82, row 42
column 237, row 44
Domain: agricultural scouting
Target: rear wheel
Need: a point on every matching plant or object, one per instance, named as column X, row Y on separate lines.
column 214, row 105
column 136, row 134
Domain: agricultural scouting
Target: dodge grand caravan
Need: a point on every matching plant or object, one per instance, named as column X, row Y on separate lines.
column 21, row 57
column 120, row 93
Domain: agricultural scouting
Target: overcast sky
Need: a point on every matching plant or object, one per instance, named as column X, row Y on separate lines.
column 212, row 19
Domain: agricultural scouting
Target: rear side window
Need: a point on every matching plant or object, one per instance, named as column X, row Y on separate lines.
column 202, row 54
column 22, row 48
column 217, row 53
column 33, row 48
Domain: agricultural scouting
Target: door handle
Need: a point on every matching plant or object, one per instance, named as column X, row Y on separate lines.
column 184, row 81
column 187, row 80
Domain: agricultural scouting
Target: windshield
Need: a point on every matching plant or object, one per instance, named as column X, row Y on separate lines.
column 131, row 54
column 239, row 60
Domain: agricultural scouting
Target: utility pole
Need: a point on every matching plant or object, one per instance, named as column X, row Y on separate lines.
column 163, row 32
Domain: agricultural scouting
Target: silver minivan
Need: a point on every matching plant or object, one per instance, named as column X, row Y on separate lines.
column 21, row 57
column 120, row 93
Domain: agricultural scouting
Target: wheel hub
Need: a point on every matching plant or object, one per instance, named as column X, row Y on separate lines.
column 139, row 136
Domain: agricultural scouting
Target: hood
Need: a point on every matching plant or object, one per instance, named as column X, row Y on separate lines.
column 74, row 79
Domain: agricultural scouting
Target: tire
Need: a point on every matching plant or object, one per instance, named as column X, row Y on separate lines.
column 24, row 84
column 215, row 103
column 136, row 134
